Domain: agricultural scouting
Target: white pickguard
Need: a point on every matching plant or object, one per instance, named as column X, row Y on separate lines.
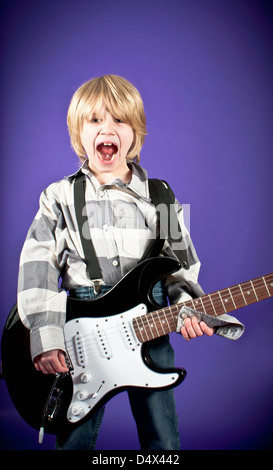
column 106, row 355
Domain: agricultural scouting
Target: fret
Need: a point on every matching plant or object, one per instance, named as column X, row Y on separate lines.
column 242, row 294
column 231, row 298
column 192, row 303
column 172, row 317
column 150, row 325
column 138, row 329
column 269, row 283
column 160, row 323
column 155, row 323
column 164, row 323
column 227, row 300
column 254, row 290
column 143, row 328
column 249, row 294
column 147, row 327
column 202, row 304
column 214, row 311
column 217, row 303
column 266, row 286
column 167, row 328
column 260, row 289
column 237, row 296
column 167, row 319
column 195, row 303
column 219, row 293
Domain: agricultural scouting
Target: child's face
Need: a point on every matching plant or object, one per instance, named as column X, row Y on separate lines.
column 106, row 141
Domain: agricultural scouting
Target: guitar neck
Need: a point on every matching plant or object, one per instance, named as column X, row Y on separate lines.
column 164, row 320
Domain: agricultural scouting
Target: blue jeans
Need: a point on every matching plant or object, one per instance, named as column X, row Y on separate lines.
column 154, row 411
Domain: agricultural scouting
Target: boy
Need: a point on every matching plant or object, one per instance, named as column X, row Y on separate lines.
column 107, row 127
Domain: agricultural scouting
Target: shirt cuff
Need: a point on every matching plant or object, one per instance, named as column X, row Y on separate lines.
column 225, row 325
column 46, row 339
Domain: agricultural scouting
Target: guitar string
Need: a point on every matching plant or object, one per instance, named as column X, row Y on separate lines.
column 168, row 316
column 163, row 315
column 110, row 333
column 227, row 294
column 92, row 340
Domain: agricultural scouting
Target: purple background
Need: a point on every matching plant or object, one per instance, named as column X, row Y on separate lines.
column 204, row 69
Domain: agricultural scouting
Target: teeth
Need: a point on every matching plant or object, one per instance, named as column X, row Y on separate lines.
column 106, row 143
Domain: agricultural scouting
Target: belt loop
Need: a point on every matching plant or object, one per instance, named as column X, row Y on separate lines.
column 97, row 286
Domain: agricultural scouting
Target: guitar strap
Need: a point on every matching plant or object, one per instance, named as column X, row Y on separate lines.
column 87, row 245
column 160, row 193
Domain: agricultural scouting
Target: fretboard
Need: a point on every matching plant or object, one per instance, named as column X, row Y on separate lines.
column 164, row 321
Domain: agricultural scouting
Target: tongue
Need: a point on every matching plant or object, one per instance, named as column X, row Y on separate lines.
column 107, row 151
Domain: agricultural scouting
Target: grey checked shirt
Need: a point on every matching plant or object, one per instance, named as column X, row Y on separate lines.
column 122, row 223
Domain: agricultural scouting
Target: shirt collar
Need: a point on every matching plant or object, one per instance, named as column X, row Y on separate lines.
column 138, row 183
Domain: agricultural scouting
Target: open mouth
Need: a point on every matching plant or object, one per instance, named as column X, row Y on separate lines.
column 106, row 151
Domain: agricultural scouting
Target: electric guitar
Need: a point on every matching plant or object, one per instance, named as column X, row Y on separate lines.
column 107, row 346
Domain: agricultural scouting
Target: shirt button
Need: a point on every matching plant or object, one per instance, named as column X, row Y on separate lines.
column 115, row 263
column 105, row 227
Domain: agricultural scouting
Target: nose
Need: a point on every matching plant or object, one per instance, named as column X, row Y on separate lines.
column 108, row 126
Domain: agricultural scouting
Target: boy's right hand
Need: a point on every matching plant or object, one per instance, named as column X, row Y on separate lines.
column 51, row 362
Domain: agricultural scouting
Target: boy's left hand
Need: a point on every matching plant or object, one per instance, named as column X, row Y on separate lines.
column 193, row 329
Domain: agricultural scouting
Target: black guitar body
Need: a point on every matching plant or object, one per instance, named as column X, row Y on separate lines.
column 29, row 389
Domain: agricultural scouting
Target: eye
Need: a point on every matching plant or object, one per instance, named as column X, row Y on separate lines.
column 93, row 118
column 120, row 121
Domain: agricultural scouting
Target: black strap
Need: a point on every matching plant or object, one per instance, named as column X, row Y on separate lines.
column 160, row 193
column 87, row 245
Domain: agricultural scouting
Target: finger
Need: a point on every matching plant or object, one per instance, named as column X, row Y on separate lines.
column 40, row 367
column 48, row 363
column 190, row 329
column 47, row 367
column 56, row 364
column 37, row 367
column 61, row 357
column 184, row 333
column 206, row 329
column 51, row 362
column 197, row 327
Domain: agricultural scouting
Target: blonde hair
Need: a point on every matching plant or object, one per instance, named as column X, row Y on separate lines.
column 120, row 98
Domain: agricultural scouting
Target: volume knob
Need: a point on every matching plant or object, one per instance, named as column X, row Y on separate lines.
column 82, row 394
column 76, row 410
column 85, row 377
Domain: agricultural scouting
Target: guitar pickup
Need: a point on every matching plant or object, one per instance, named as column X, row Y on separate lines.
column 79, row 349
column 127, row 334
column 103, row 343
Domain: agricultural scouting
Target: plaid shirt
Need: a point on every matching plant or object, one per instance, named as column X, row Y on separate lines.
column 122, row 222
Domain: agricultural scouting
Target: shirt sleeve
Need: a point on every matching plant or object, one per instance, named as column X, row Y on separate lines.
column 183, row 285
column 41, row 304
